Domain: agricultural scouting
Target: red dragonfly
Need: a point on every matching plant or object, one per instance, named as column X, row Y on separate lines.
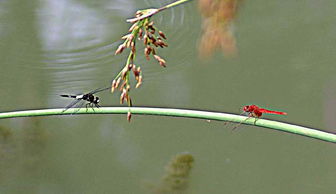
column 256, row 112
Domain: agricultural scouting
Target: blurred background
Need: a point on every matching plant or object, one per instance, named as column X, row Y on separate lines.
column 281, row 57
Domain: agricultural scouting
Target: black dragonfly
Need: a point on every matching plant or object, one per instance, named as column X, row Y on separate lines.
column 81, row 99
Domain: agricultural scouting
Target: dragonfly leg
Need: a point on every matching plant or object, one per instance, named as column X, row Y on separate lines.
column 91, row 105
column 255, row 120
column 256, row 117
column 86, row 106
column 248, row 117
column 96, row 105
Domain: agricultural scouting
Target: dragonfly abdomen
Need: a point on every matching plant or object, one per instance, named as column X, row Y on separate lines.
column 68, row 96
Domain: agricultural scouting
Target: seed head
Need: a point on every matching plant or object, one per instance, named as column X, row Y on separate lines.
column 113, row 86
column 134, row 27
column 136, row 72
column 139, row 82
column 125, row 37
column 122, row 86
column 117, row 82
column 160, row 60
column 133, row 46
column 145, row 39
column 150, row 25
column 120, row 49
column 162, row 34
column 130, row 66
column 138, row 14
column 140, row 34
column 129, row 116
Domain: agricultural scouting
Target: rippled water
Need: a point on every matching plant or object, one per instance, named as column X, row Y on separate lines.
column 285, row 62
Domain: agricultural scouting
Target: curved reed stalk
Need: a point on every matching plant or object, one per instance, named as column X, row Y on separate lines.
column 275, row 125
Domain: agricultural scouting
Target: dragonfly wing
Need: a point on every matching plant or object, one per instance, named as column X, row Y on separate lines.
column 99, row 90
column 79, row 106
column 271, row 111
column 73, row 103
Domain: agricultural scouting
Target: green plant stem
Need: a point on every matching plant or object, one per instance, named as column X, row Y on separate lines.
column 295, row 129
column 151, row 12
column 127, row 63
column 175, row 4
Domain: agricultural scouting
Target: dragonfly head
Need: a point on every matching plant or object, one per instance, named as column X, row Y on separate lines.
column 246, row 108
column 97, row 100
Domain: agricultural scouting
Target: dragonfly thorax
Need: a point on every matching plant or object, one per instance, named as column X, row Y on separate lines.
column 96, row 101
column 90, row 98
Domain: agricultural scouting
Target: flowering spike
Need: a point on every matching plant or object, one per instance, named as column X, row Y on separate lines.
column 120, row 49
column 133, row 27
column 125, row 37
column 162, row 34
column 145, row 39
column 139, row 82
column 122, row 86
column 150, row 24
column 124, row 73
column 113, row 85
column 129, row 116
column 143, row 29
column 140, row 34
column 160, row 60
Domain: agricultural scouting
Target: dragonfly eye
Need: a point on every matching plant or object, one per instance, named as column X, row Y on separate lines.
column 97, row 99
column 246, row 108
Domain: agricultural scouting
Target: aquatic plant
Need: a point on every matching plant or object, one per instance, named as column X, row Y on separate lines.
column 144, row 30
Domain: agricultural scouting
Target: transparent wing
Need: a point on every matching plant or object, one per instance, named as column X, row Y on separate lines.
column 72, row 104
column 99, row 90
column 79, row 106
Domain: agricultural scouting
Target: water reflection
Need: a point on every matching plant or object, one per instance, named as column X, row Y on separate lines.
column 127, row 154
column 68, row 25
column 22, row 156
column 74, row 37
column 79, row 41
